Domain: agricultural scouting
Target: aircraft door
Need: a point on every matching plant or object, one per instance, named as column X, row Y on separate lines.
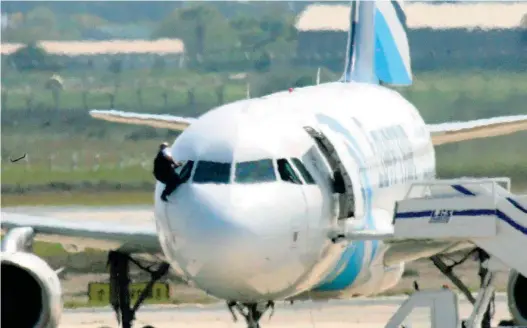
column 350, row 168
column 342, row 158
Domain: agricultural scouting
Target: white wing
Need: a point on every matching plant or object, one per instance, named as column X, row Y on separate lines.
column 442, row 133
column 458, row 131
column 155, row 120
column 78, row 233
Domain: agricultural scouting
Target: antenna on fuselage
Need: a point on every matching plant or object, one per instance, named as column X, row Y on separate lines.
column 248, row 92
column 318, row 76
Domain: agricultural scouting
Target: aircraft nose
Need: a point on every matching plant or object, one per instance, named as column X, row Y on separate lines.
column 228, row 243
column 202, row 218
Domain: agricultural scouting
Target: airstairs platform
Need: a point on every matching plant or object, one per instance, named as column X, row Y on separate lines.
column 483, row 211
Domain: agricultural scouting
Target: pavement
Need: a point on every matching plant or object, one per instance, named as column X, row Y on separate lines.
column 359, row 312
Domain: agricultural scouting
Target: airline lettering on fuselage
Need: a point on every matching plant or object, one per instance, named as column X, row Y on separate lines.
column 394, row 159
column 397, row 162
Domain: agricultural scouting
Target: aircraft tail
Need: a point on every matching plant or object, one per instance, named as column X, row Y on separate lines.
column 377, row 49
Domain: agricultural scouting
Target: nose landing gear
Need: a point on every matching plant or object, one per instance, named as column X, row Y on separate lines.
column 252, row 312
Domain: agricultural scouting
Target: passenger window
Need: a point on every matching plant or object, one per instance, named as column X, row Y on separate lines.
column 212, row 172
column 185, row 171
column 255, row 172
column 286, row 172
column 308, row 178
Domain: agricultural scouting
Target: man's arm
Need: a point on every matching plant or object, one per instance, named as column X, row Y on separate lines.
column 168, row 156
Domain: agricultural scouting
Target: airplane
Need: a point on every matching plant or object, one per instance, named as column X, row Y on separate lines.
column 269, row 185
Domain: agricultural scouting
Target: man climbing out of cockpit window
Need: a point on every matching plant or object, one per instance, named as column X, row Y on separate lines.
column 164, row 170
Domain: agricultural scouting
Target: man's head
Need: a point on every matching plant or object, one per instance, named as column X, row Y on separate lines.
column 163, row 145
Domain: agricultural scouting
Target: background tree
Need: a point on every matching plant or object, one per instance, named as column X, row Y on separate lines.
column 191, row 96
column 55, row 85
column 87, row 21
column 41, row 18
column 203, row 29
column 115, row 67
column 159, row 64
column 5, row 95
column 40, row 23
column 33, row 57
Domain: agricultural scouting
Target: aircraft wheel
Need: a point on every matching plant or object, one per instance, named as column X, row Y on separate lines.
column 148, row 326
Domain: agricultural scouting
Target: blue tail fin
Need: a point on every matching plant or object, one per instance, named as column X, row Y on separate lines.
column 378, row 49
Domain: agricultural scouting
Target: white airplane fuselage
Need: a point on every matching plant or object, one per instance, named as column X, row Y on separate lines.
column 268, row 240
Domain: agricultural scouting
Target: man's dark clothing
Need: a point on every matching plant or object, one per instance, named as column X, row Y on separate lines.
column 164, row 173
column 172, row 183
column 163, row 167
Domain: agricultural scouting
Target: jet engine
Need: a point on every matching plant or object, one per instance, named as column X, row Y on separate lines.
column 517, row 297
column 31, row 292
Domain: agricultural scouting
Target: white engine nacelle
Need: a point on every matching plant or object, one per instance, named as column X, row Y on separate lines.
column 517, row 297
column 31, row 292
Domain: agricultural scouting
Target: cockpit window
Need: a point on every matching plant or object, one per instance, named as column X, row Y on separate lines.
column 286, row 172
column 255, row 171
column 308, row 178
column 212, row 172
column 185, row 171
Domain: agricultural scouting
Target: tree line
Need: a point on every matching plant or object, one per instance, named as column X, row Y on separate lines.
column 238, row 36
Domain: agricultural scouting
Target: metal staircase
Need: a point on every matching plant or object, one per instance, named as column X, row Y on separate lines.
column 478, row 210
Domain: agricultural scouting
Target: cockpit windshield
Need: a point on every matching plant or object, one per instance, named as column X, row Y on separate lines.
column 212, row 172
column 255, row 172
column 286, row 171
column 308, row 178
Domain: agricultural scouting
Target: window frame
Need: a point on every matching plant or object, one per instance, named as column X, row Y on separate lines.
column 191, row 173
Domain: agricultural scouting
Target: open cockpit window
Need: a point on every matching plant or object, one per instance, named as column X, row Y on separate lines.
column 185, row 171
column 286, row 171
column 308, row 178
column 255, row 172
column 212, row 172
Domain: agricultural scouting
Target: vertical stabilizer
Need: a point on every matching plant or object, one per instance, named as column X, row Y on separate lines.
column 377, row 49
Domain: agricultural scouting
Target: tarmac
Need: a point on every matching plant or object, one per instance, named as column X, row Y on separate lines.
column 360, row 312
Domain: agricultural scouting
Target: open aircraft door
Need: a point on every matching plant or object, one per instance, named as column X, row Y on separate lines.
column 339, row 154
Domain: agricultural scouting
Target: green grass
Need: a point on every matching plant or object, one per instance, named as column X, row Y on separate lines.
column 42, row 175
column 46, row 250
column 84, row 198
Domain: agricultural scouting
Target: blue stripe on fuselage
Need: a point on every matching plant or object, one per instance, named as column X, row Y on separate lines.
column 353, row 257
